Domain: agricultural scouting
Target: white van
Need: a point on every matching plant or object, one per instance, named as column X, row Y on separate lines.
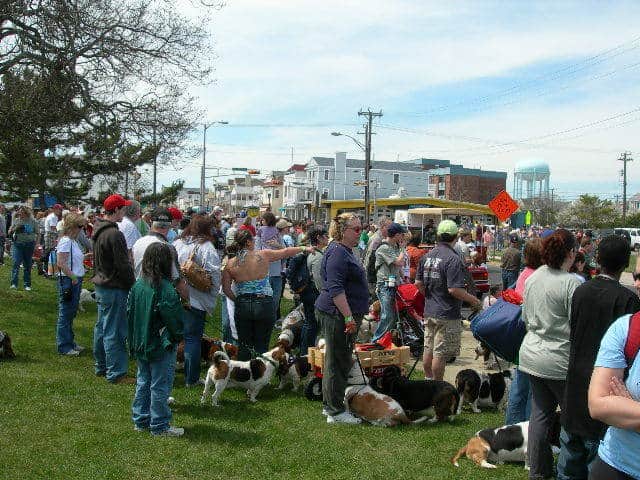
column 635, row 237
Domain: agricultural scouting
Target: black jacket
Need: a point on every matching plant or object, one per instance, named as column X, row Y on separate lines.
column 595, row 305
column 113, row 268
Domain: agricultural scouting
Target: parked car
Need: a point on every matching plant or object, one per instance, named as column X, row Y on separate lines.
column 634, row 236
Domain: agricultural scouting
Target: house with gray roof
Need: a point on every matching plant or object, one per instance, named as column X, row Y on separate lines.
column 342, row 178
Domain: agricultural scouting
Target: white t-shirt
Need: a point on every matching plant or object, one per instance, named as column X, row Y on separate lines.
column 130, row 231
column 138, row 252
column 51, row 222
column 76, row 257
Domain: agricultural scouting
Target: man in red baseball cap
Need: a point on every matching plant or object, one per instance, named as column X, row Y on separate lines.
column 113, row 278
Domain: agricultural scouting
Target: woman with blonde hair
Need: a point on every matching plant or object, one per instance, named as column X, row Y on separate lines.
column 71, row 267
column 342, row 303
column 24, row 240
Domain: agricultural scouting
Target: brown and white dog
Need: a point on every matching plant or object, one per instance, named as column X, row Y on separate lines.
column 371, row 406
column 504, row 444
column 6, row 349
column 208, row 346
column 252, row 375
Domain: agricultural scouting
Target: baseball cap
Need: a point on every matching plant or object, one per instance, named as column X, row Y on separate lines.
column 282, row 223
column 175, row 213
column 217, row 209
column 160, row 214
column 449, row 227
column 395, row 228
column 57, row 206
column 115, row 201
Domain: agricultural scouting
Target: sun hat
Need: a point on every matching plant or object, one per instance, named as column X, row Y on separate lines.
column 449, row 227
column 282, row 223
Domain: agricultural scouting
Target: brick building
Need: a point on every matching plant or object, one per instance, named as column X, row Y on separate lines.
column 455, row 182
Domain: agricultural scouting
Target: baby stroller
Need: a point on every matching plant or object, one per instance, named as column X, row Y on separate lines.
column 410, row 307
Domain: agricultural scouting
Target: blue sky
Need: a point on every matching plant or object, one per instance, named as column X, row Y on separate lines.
column 483, row 84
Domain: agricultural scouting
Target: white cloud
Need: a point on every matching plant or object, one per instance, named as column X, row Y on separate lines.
column 305, row 62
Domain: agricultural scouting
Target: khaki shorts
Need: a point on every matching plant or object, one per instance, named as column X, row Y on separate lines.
column 442, row 338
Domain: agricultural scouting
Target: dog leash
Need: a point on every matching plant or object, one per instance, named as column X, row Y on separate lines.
column 351, row 343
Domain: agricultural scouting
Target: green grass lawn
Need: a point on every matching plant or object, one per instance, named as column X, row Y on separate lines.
column 58, row 420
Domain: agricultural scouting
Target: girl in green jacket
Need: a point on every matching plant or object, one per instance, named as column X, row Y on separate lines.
column 154, row 314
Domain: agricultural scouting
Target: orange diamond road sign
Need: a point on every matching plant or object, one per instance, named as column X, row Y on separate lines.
column 503, row 205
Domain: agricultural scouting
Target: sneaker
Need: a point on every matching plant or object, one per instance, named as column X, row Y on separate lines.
column 140, row 429
column 171, row 400
column 14, row 287
column 79, row 348
column 171, row 432
column 71, row 353
column 344, row 417
column 325, row 412
column 28, row 289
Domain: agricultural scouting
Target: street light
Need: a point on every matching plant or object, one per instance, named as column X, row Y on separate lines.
column 204, row 157
column 367, row 167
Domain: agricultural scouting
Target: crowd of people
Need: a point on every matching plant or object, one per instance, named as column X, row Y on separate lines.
column 158, row 273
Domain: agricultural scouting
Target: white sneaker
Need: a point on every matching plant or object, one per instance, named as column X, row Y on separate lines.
column 72, row 353
column 28, row 289
column 14, row 287
column 344, row 417
column 171, row 401
column 171, row 432
column 325, row 412
column 79, row 348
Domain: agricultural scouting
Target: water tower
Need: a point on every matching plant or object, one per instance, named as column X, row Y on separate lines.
column 531, row 179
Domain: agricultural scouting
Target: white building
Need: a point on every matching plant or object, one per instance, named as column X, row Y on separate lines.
column 298, row 193
column 188, row 197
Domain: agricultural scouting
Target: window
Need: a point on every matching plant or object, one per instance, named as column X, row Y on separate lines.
column 362, row 193
column 276, row 193
column 396, row 178
column 326, row 174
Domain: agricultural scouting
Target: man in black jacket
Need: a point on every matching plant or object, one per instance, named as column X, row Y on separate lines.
column 596, row 304
column 113, row 278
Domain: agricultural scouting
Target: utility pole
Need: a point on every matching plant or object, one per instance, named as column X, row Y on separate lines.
column 367, row 160
column 624, row 158
column 155, row 168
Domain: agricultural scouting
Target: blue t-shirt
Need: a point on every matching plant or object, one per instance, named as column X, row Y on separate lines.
column 620, row 447
column 342, row 272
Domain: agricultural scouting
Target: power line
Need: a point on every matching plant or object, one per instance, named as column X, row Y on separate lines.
column 586, row 63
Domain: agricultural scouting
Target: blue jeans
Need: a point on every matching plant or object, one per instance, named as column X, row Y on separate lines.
column 22, row 254
column 519, row 405
column 509, row 277
column 276, row 286
column 66, row 313
column 227, row 336
column 309, row 330
column 388, row 316
column 193, row 330
column 153, row 386
column 576, row 455
column 110, row 333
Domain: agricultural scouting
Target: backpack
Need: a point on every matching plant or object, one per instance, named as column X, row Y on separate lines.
column 372, row 271
column 297, row 273
column 632, row 345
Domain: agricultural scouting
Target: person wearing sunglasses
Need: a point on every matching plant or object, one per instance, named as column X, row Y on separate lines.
column 342, row 303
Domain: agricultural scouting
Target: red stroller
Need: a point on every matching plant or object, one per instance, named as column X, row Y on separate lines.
column 410, row 308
